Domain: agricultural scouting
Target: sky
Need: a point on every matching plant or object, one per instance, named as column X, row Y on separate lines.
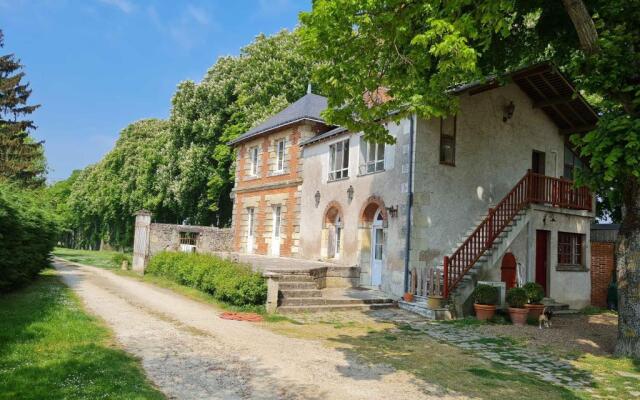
column 97, row 65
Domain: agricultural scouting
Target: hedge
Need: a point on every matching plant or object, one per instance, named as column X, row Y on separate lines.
column 225, row 280
column 27, row 235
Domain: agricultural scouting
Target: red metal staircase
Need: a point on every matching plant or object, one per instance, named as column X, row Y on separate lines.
column 531, row 189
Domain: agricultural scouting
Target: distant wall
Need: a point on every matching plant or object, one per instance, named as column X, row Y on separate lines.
column 209, row 239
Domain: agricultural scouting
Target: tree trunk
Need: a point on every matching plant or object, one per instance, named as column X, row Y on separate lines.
column 628, row 272
column 582, row 21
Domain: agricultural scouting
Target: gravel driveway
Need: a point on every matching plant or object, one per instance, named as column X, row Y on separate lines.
column 190, row 353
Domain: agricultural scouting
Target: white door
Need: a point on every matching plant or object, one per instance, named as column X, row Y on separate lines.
column 377, row 249
column 251, row 221
column 277, row 222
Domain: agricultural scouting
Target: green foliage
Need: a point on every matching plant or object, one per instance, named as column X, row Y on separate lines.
column 535, row 292
column 118, row 258
column 486, row 294
column 225, row 280
column 28, row 233
column 516, row 297
column 21, row 158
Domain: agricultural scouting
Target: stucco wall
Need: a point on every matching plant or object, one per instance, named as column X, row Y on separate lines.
column 388, row 187
column 491, row 157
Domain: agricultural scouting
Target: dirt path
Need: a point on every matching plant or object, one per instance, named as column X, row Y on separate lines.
column 190, row 353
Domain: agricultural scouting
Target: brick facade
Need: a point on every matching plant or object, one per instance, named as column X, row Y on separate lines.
column 602, row 267
column 269, row 188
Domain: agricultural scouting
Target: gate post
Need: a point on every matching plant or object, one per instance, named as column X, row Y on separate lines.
column 141, row 241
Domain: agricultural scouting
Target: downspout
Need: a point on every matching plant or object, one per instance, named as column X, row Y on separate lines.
column 409, row 204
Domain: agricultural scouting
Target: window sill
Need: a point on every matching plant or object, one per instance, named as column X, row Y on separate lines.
column 278, row 173
column 448, row 164
column 337, row 180
column 571, row 268
column 371, row 173
column 251, row 177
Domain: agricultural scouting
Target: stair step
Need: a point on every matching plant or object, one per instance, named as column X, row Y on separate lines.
column 333, row 307
column 297, row 278
column 300, row 293
column 321, row 301
column 297, row 285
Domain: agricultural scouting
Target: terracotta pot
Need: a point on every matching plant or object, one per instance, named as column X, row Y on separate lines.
column 434, row 302
column 408, row 297
column 484, row 311
column 518, row 316
column 535, row 310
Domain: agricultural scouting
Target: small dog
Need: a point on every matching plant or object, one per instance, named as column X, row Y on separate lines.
column 545, row 318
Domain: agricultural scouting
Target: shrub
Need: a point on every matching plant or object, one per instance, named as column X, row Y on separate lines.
column 486, row 294
column 535, row 292
column 27, row 235
column 118, row 258
column 516, row 297
column 225, row 280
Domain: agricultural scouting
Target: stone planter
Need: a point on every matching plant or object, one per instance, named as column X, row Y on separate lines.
column 434, row 302
column 484, row 311
column 535, row 310
column 518, row 316
column 408, row 297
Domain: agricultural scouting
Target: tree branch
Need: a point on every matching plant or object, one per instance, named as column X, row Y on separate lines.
column 585, row 27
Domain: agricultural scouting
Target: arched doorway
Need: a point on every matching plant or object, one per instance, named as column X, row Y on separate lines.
column 372, row 241
column 332, row 231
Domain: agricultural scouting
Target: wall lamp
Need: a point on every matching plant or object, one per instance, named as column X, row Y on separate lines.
column 393, row 211
column 317, row 197
column 507, row 112
column 350, row 194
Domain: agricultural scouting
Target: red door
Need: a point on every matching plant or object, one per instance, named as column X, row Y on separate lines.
column 542, row 259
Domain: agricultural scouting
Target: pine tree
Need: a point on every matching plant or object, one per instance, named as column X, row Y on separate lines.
column 21, row 157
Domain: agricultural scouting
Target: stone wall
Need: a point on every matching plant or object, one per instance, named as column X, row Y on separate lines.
column 209, row 239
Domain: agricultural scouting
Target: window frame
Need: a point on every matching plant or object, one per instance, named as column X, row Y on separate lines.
column 188, row 238
column 280, row 157
column 277, row 221
column 376, row 163
column 253, row 163
column 571, row 249
column 336, row 174
column 446, row 139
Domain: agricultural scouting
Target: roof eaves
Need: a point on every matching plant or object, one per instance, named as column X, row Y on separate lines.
column 244, row 138
column 322, row 136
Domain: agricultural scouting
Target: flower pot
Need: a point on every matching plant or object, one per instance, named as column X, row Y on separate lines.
column 518, row 316
column 484, row 311
column 535, row 310
column 408, row 297
column 434, row 302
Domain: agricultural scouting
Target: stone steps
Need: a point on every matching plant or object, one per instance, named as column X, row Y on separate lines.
column 322, row 301
column 298, row 286
column 300, row 293
column 333, row 307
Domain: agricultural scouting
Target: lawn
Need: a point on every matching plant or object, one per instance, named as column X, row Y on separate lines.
column 101, row 259
column 50, row 348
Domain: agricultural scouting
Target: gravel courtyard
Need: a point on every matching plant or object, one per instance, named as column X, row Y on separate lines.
column 190, row 353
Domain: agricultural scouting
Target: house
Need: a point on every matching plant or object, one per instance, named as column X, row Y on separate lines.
column 484, row 195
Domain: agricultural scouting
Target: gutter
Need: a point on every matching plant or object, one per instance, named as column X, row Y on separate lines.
column 412, row 125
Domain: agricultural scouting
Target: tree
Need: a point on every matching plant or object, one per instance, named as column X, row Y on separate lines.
column 21, row 158
column 416, row 50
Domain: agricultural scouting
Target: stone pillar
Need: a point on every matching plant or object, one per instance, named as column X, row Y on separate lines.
column 273, row 287
column 141, row 241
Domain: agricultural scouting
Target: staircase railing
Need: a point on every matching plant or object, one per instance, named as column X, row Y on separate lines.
column 531, row 189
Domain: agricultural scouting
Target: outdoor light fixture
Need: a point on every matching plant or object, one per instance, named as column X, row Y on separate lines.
column 507, row 112
column 350, row 194
column 393, row 211
column 317, row 197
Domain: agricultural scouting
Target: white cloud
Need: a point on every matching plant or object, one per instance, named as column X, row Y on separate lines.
column 198, row 14
column 123, row 5
column 187, row 29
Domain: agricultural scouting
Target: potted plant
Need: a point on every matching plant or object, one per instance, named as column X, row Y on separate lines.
column 535, row 294
column 434, row 297
column 408, row 297
column 516, row 299
column 485, row 298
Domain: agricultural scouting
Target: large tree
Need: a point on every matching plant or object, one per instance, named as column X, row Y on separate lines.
column 416, row 50
column 21, row 158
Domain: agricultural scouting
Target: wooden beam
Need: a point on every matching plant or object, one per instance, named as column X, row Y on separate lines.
column 552, row 101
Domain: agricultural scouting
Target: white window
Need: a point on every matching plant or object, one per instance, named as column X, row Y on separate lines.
column 373, row 156
column 339, row 160
column 253, row 161
column 280, row 155
column 277, row 220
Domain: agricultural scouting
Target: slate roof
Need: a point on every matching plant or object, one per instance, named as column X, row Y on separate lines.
column 307, row 107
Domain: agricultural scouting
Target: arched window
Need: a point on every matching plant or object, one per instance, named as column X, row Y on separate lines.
column 338, row 236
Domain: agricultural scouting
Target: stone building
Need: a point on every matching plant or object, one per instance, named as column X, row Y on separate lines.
column 453, row 195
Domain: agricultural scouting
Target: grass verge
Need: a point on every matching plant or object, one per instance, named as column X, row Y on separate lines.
column 100, row 259
column 51, row 349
